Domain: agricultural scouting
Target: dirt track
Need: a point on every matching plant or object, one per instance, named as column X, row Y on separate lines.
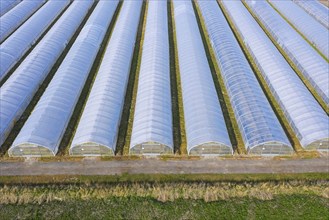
column 147, row 166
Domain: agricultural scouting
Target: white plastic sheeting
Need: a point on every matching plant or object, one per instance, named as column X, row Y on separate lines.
column 7, row 5
column 316, row 9
column 44, row 129
column 261, row 130
column 316, row 33
column 309, row 62
column 13, row 19
column 206, row 132
column 17, row 92
column 306, row 117
column 99, row 124
column 15, row 46
column 152, row 131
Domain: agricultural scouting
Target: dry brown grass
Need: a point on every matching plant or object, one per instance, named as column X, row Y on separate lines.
column 161, row 191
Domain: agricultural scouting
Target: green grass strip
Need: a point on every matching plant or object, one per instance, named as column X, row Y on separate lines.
column 160, row 178
column 175, row 88
column 179, row 121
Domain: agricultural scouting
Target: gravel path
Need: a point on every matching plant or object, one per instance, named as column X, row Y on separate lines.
column 149, row 166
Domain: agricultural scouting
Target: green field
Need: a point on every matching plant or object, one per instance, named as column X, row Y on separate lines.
column 281, row 207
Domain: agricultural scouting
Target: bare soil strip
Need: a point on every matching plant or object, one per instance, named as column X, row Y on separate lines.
column 158, row 166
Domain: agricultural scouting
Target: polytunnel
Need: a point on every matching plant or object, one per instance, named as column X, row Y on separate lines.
column 316, row 33
column 7, row 5
column 260, row 129
column 13, row 19
column 206, row 132
column 152, row 131
column 18, row 91
column 45, row 127
column 99, row 124
column 313, row 67
column 305, row 116
column 15, row 46
column 316, row 9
